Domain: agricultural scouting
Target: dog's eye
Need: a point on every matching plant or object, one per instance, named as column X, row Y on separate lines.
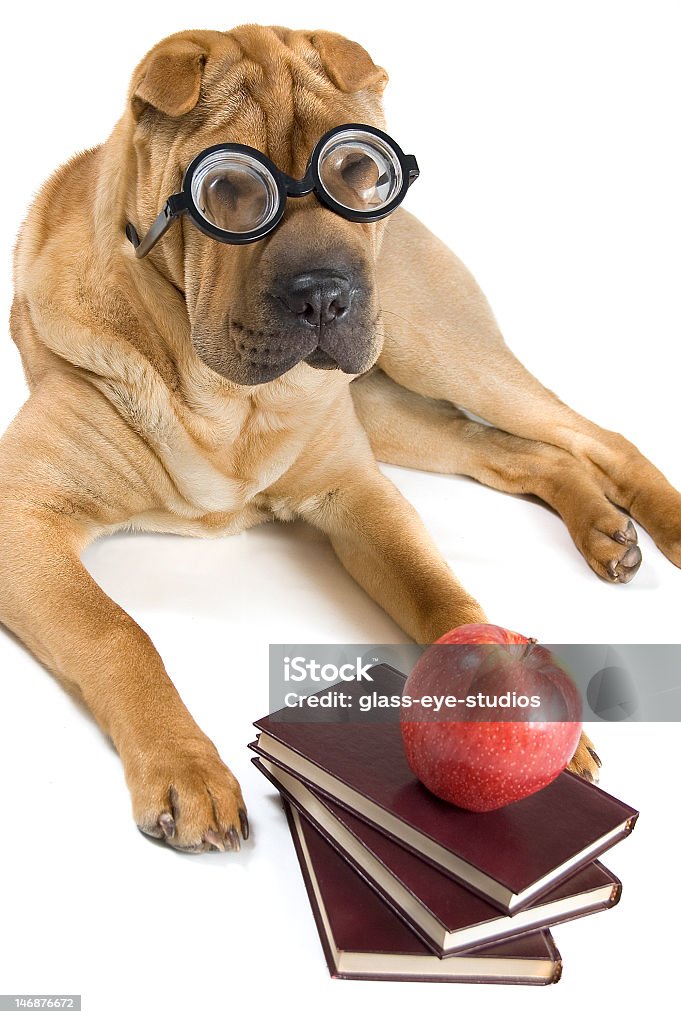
column 359, row 172
column 228, row 190
column 235, row 199
column 221, row 191
column 357, row 175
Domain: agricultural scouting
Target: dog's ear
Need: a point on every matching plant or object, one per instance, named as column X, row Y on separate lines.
column 347, row 64
column 169, row 78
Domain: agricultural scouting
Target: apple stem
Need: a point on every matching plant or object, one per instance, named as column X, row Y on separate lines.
column 528, row 647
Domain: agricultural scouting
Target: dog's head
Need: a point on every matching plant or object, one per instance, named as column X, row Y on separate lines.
column 306, row 292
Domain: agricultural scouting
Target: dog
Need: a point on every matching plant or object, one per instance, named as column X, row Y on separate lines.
column 198, row 391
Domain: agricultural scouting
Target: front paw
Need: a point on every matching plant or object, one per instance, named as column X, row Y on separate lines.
column 585, row 762
column 184, row 794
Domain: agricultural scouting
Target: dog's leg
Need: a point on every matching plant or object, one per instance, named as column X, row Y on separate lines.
column 408, row 430
column 380, row 540
column 383, row 544
column 68, row 465
column 442, row 342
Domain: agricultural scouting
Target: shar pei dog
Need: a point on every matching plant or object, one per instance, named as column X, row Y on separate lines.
column 183, row 381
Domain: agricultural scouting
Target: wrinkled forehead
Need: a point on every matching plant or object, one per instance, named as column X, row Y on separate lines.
column 270, row 89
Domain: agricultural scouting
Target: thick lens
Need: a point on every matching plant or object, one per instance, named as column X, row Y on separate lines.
column 360, row 171
column 234, row 192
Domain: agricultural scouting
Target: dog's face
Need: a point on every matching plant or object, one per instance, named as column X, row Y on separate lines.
column 306, row 292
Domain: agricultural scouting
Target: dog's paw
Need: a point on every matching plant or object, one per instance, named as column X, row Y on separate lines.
column 186, row 796
column 585, row 762
column 612, row 550
column 627, row 559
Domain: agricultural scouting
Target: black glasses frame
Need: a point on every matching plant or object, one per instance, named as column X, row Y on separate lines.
column 183, row 202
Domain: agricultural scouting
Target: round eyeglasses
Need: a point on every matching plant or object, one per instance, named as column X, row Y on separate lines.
column 235, row 194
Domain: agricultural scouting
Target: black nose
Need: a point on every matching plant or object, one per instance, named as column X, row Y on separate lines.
column 317, row 297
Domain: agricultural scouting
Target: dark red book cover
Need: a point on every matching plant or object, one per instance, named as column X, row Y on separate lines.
column 447, row 916
column 510, row 855
column 363, row 939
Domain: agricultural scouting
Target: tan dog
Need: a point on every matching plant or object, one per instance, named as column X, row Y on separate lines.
column 164, row 397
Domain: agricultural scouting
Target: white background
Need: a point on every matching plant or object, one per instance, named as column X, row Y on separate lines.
column 548, row 141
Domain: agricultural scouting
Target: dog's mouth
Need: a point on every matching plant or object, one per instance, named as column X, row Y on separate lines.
column 250, row 357
column 321, row 360
column 264, row 363
column 264, row 356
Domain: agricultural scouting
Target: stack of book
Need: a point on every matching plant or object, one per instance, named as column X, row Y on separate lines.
column 405, row 886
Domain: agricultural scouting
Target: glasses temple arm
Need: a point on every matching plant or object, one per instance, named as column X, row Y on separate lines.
column 412, row 169
column 174, row 207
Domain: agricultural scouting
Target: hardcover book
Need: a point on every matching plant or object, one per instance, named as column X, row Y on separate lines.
column 510, row 856
column 448, row 917
column 363, row 939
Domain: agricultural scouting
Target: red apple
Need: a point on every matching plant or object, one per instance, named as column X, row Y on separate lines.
column 490, row 745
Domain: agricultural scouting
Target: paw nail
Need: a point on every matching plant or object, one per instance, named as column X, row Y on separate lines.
column 245, row 830
column 620, row 537
column 586, row 774
column 233, row 837
column 214, row 839
column 632, row 558
column 167, row 823
column 595, row 756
